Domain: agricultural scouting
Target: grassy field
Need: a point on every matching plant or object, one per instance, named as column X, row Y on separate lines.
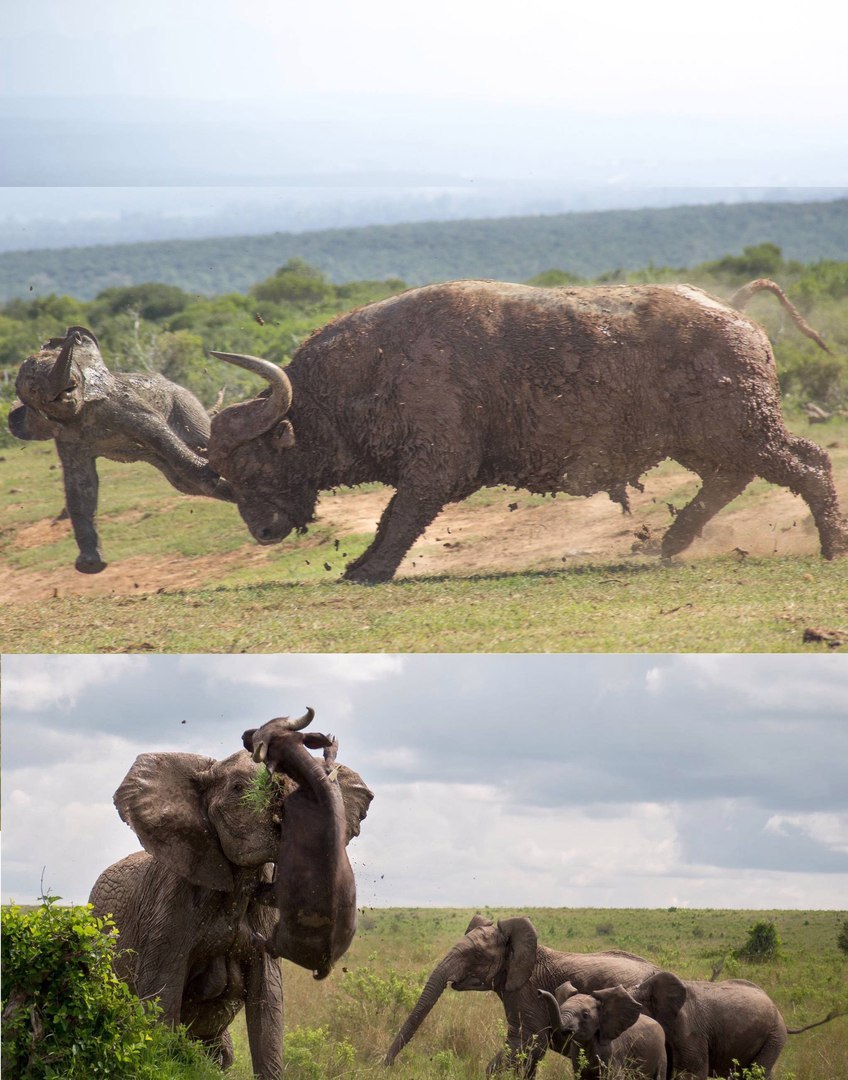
column 184, row 575
column 363, row 1003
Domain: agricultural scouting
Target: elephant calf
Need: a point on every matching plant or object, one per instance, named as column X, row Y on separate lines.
column 69, row 395
column 316, row 899
column 610, row 1030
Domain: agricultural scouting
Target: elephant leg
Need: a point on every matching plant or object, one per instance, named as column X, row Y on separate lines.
column 264, row 1016
column 404, row 519
column 770, row 1052
column 805, row 469
column 518, row 1058
column 220, row 1049
column 79, row 473
column 717, row 490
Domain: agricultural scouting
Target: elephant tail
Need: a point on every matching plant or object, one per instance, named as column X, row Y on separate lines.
column 832, row 1015
column 741, row 297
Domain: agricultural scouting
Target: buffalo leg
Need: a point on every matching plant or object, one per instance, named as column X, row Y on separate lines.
column 805, row 469
column 404, row 519
column 79, row 473
column 717, row 490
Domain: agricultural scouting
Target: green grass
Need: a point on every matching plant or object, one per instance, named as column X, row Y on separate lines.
column 363, row 1003
column 285, row 598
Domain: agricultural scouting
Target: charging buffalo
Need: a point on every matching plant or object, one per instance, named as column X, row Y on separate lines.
column 448, row 388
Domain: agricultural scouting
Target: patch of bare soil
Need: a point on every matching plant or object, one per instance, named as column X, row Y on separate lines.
column 512, row 532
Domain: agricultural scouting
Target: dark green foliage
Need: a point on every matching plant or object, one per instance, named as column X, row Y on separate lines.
column 296, row 283
column 66, row 1014
column 760, row 260
column 151, row 300
column 842, row 938
column 762, row 944
column 512, row 249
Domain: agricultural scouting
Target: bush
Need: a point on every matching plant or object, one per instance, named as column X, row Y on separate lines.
column 762, row 944
column 312, row 1054
column 842, row 938
column 65, row 1012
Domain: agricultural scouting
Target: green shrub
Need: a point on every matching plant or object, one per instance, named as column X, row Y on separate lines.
column 312, row 1054
column 842, row 937
column 67, row 1015
column 762, row 944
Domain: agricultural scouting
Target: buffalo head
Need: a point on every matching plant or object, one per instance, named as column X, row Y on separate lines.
column 252, row 444
column 55, row 383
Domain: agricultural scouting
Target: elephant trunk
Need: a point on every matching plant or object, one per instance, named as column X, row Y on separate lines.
column 552, row 1007
column 449, row 969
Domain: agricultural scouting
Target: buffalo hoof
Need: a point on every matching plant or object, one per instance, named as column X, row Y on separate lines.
column 87, row 564
column 360, row 575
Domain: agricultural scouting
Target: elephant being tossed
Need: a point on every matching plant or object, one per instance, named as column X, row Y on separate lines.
column 508, row 959
column 69, row 395
column 191, row 907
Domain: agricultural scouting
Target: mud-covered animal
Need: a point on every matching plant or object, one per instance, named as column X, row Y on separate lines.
column 721, row 1028
column 610, row 1031
column 69, row 395
column 189, row 906
column 448, row 388
column 316, row 896
column 508, row 959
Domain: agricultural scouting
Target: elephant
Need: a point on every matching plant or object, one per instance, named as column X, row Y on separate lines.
column 508, row 959
column 69, row 395
column 720, row 1027
column 610, row 1029
column 188, row 906
column 316, row 901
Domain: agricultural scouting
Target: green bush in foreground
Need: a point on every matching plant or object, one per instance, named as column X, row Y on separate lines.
column 67, row 1015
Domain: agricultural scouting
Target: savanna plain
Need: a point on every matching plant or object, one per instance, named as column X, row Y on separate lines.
column 502, row 571
column 342, row 1027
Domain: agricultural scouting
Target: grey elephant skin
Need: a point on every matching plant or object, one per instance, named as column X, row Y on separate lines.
column 69, row 395
column 190, row 905
column 448, row 388
column 316, row 897
column 508, row 959
column 610, row 1031
column 721, row 1026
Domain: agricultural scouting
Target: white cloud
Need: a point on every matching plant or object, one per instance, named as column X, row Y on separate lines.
column 33, row 683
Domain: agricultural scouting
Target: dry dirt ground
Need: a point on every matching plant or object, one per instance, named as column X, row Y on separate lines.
column 512, row 532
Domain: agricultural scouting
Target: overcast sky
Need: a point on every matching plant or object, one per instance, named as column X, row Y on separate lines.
column 245, row 90
column 707, row 781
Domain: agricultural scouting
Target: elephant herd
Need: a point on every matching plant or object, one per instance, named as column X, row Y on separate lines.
column 233, row 877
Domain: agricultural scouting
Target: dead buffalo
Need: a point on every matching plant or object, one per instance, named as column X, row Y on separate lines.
column 448, row 388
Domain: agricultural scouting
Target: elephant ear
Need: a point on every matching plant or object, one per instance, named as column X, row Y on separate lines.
column 357, row 797
column 522, row 942
column 619, row 1011
column 162, row 800
column 27, row 424
column 564, row 991
column 478, row 920
column 662, row 996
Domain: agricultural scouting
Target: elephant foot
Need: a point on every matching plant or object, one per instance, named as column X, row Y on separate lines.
column 90, row 564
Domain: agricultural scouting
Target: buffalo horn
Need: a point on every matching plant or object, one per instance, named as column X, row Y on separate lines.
column 295, row 725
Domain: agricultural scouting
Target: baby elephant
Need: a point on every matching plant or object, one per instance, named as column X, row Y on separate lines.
column 610, row 1030
column 69, row 395
column 316, row 896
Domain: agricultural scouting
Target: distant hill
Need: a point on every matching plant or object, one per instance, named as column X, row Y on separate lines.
column 516, row 248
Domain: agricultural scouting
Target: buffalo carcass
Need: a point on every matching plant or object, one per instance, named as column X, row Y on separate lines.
column 448, row 388
column 68, row 394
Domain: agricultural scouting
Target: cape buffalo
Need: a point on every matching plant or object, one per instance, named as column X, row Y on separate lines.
column 448, row 388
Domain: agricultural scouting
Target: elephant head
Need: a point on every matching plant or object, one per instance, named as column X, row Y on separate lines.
column 55, row 383
column 489, row 957
column 590, row 1019
column 189, row 812
column 662, row 996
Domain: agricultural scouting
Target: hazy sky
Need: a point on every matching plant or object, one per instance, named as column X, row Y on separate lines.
column 707, row 781
column 249, row 91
